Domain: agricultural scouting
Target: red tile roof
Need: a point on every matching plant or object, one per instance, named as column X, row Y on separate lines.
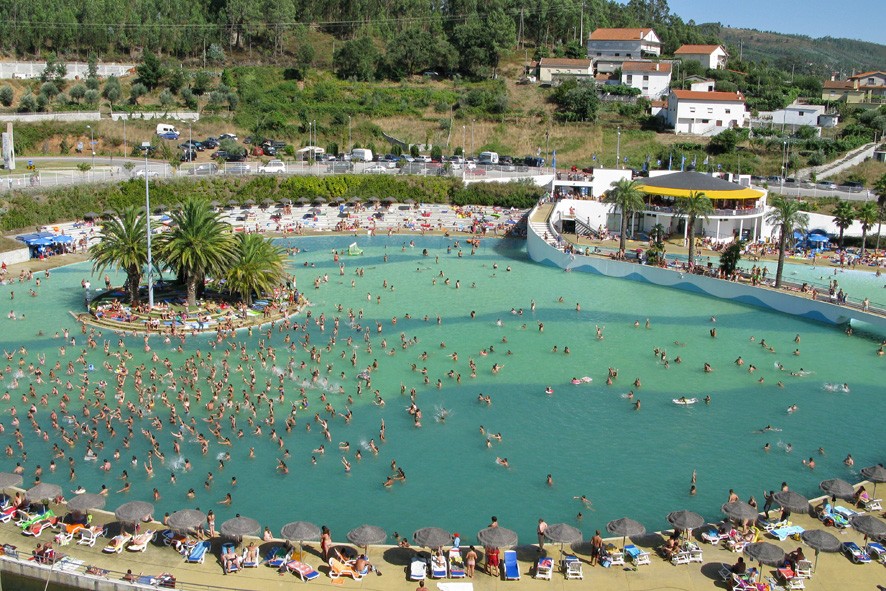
column 660, row 67
column 619, row 34
column 866, row 74
column 563, row 62
column 839, row 85
column 698, row 49
column 693, row 95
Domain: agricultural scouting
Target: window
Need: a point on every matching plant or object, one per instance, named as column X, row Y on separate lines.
column 617, row 54
column 599, row 54
column 728, row 111
column 629, row 78
column 645, row 78
column 710, row 110
column 692, row 109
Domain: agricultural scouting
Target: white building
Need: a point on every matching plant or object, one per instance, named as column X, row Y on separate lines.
column 794, row 115
column 652, row 78
column 701, row 84
column 705, row 113
column 711, row 57
column 609, row 48
column 550, row 68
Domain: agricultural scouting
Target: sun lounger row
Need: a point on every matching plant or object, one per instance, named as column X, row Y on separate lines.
column 132, row 543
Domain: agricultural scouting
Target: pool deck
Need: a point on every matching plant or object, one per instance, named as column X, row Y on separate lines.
column 835, row 572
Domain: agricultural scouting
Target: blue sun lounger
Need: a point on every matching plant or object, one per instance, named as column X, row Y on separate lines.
column 277, row 557
column 783, row 533
column 854, row 553
column 512, row 569
column 198, row 554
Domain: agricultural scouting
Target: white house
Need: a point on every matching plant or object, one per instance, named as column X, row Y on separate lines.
column 700, row 84
column 652, row 78
column 712, row 57
column 609, row 48
column 794, row 115
column 550, row 68
column 705, row 113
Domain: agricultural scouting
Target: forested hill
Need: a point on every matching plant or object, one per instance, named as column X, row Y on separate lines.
column 820, row 57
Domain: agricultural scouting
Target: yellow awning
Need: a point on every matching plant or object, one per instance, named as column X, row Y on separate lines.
column 743, row 193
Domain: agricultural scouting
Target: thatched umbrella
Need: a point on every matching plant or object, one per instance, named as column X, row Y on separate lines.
column 838, row 488
column 365, row 535
column 214, row 203
column 185, row 519
column 108, row 214
column 302, row 200
column 8, row 479
column 875, row 474
column 160, row 208
column 820, row 541
column 497, row 537
column 685, row 520
column 793, row 502
column 233, row 203
column 739, row 510
column 432, row 537
column 563, row 533
column 134, row 511
column 318, row 200
column 868, row 525
column 266, row 203
column 765, row 553
column 44, row 491
column 239, row 527
column 86, row 501
column 91, row 216
column 625, row 527
column 300, row 531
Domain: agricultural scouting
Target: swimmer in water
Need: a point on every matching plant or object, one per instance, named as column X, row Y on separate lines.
column 584, row 500
column 502, row 462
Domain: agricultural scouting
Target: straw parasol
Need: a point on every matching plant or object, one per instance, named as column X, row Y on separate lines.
column 739, row 510
column 300, row 531
column 365, row 535
column 90, row 216
column 318, row 199
column 185, row 519
column 8, row 479
column 133, row 511
column 431, row 537
column 625, row 527
column 44, row 491
column 875, row 474
column 793, row 502
column 868, row 525
column 820, row 541
column 86, row 501
column 837, row 488
column 497, row 537
column 685, row 520
column 765, row 553
column 563, row 533
column 302, row 200
column 238, row 527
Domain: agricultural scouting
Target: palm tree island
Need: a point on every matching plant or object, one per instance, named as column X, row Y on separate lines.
column 216, row 278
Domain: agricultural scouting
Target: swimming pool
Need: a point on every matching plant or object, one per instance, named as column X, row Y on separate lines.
column 588, row 437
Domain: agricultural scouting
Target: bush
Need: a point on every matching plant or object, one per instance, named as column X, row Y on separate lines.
column 6, row 95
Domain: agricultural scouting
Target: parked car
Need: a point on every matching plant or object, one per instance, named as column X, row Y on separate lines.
column 375, row 169
column 205, row 169
column 339, row 167
column 826, row 185
column 227, row 136
column 238, row 169
column 193, row 145
column 140, row 173
column 210, row 143
column 188, row 155
column 273, row 167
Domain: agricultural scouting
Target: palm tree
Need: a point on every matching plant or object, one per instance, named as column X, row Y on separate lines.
column 626, row 198
column 124, row 245
column 199, row 244
column 844, row 215
column 696, row 206
column 258, row 267
column 786, row 214
column 867, row 215
column 880, row 192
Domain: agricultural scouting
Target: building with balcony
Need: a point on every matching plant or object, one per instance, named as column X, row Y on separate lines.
column 705, row 113
column 610, row 48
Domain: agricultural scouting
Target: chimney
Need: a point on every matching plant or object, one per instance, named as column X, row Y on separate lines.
column 656, row 66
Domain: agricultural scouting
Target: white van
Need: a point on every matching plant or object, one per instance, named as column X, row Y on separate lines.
column 167, row 132
column 488, row 157
column 363, row 154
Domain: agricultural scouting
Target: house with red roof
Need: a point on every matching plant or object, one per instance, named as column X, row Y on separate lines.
column 653, row 79
column 711, row 57
column 867, row 87
column 705, row 113
column 550, row 68
column 610, row 48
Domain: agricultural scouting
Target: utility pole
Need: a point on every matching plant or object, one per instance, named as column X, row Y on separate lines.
column 581, row 26
column 520, row 33
column 618, row 148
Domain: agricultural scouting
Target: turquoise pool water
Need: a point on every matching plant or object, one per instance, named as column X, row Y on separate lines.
column 588, row 437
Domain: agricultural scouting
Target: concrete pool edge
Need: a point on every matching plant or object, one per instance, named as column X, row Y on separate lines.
column 542, row 251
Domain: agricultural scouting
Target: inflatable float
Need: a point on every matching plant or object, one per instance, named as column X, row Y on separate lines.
column 584, row 380
column 685, row 401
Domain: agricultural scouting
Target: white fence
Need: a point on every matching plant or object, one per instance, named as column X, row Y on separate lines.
column 40, row 117
column 75, row 70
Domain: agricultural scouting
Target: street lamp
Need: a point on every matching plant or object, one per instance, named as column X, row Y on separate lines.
column 92, row 145
column 145, row 146
column 618, row 147
column 472, row 136
column 349, row 133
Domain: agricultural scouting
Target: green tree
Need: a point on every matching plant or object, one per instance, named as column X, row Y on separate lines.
column 78, row 91
column 696, row 207
column 785, row 214
column 357, row 59
column 201, row 82
column 112, row 90
column 6, row 95
column 215, row 54
column 868, row 214
column 257, row 267
column 199, row 244
column 166, row 98
column 625, row 198
column 28, row 103
column 91, row 97
column 730, row 258
column 136, row 91
column 150, row 71
column 576, row 100
column 123, row 245
column 91, row 67
column 84, row 167
column 176, row 78
column 844, row 215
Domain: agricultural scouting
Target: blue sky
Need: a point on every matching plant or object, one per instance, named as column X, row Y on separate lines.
column 855, row 19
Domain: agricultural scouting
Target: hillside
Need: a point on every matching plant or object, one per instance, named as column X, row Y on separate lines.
column 820, row 57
